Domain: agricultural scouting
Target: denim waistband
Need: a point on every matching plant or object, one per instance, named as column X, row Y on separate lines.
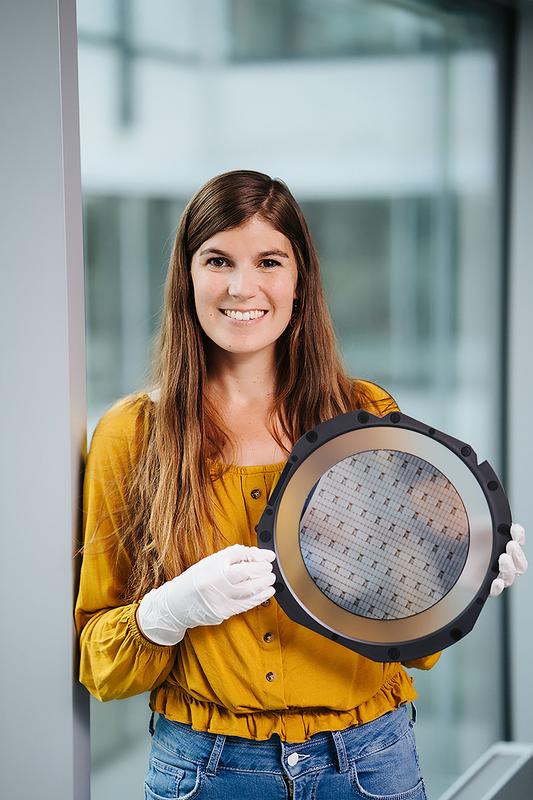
column 327, row 748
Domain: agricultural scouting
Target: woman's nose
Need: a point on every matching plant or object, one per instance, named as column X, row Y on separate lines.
column 242, row 283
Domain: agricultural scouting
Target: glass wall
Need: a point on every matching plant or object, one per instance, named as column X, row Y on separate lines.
column 385, row 120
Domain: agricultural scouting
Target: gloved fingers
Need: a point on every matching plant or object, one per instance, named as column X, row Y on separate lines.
column 511, row 563
column 270, row 592
column 261, row 554
column 507, row 569
column 240, row 552
column 244, row 571
column 254, row 586
column 246, row 603
column 518, row 533
column 517, row 554
column 234, row 553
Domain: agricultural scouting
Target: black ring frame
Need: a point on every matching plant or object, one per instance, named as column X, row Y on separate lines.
column 494, row 494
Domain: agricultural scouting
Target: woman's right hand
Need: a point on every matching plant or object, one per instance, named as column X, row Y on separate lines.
column 232, row 580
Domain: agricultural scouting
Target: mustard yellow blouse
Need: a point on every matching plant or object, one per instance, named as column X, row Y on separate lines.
column 216, row 677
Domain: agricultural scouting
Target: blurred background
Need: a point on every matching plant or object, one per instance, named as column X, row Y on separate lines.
column 388, row 122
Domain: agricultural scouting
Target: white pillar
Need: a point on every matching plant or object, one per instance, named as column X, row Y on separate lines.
column 44, row 749
column 521, row 378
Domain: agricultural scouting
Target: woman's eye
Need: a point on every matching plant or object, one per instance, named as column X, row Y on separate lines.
column 268, row 262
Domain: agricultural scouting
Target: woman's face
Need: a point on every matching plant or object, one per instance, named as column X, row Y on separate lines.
column 251, row 268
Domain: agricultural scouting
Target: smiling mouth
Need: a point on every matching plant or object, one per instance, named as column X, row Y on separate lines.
column 239, row 316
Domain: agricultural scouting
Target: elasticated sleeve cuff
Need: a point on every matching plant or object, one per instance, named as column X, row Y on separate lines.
column 116, row 660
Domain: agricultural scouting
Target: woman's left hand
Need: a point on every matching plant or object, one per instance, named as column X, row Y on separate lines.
column 512, row 563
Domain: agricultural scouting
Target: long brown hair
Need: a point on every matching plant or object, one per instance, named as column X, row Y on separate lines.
column 170, row 522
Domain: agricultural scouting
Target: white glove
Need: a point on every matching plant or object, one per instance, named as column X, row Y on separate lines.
column 224, row 583
column 512, row 563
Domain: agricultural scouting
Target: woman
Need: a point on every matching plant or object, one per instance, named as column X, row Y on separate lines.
column 174, row 596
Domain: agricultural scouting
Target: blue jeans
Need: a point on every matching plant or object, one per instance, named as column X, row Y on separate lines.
column 370, row 761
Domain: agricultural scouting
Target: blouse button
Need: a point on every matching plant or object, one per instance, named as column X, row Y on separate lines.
column 267, row 637
column 266, row 602
column 271, row 676
column 256, row 493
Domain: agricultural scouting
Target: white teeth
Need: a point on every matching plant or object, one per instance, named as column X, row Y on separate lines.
column 246, row 315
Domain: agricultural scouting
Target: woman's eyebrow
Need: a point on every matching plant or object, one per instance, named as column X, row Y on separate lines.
column 264, row 254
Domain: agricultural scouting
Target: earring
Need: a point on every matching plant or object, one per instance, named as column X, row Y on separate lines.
column 295, row 309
